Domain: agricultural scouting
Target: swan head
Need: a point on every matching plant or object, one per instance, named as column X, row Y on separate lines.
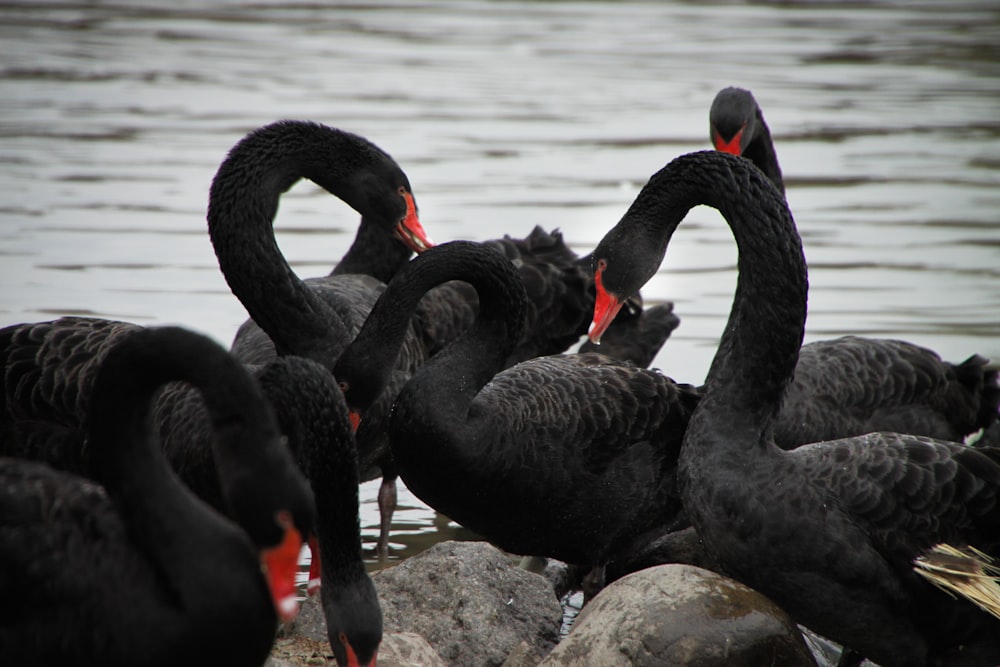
column 732, row 120
column 626, row 258
column 408, row 229
column 353, row 621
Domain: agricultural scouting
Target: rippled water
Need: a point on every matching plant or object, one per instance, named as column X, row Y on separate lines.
column 114, row 117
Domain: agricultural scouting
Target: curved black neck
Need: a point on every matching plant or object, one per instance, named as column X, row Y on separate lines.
column 761, row 152
column 311, row 411
column 163, row 517
column 243, row 202
column 373, row 253
column 473, row 358
column 759, row 347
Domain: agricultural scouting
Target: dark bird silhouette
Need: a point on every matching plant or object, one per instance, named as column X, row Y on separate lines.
column 131, row 568
column 322, row 440
column 317, row 317
column 560, row 292
column 50, row 371
column 736, row 126
column 830, row 530
column 854, row 385
column 49, row 375
column 507, row 452
column 312, row 318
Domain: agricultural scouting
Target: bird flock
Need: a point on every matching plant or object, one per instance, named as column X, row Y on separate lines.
column 156, row 488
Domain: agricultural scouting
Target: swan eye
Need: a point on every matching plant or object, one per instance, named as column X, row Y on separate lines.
column 343, row 639
column 401, row 190
column 602, row 264
column 344, row 386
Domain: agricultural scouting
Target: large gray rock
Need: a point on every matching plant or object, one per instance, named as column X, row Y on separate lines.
column 681, row 615
column 471, row 603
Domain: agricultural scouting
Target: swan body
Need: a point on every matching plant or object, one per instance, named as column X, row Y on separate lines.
column 737, row 126
column 317, row 317
column 311, row 318
column 131, row 568
column 854, row 385
column 49, row 375
column 506, row 452
column 829, row 530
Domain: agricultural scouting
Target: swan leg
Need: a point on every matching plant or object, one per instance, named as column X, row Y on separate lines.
column 387, row 498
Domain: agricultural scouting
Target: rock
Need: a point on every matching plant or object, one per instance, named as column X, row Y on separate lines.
column 471, row 603
column 681, row 615
column 303, row 641
column 309, row 623
column 406, row 649
column 299, row 651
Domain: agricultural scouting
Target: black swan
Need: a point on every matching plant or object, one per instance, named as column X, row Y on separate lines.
column 131, row 568
column 314, row 318
column 853, row 385
column 506, row 453
column 560, row 299
column 322, row 440
column 736, row 126
column 830, row 530
column 49, row 373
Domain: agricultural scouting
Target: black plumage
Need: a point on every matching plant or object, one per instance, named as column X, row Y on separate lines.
column 854, row 385
column 506, row 453
column 830, row 530
column 314, row 318
column 131, row 568
column 317, row 317
column 50, row 386
column 322, row 440
column 49, row 370
column 736, row 126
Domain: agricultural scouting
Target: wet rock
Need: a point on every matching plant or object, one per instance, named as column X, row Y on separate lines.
column 471, row 603
column 681, row 615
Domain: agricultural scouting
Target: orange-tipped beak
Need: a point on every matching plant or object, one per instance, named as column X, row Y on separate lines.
column 409, row 230
column 315, row 566
column 732, row 146
column 606, row 307
column 280, row 564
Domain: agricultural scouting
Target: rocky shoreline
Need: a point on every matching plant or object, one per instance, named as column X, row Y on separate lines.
column 468, row 603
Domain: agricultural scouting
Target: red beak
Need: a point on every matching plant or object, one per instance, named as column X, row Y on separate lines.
column 606, row 307
column 409, row 230
column 281, row 563
column 732, row 146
